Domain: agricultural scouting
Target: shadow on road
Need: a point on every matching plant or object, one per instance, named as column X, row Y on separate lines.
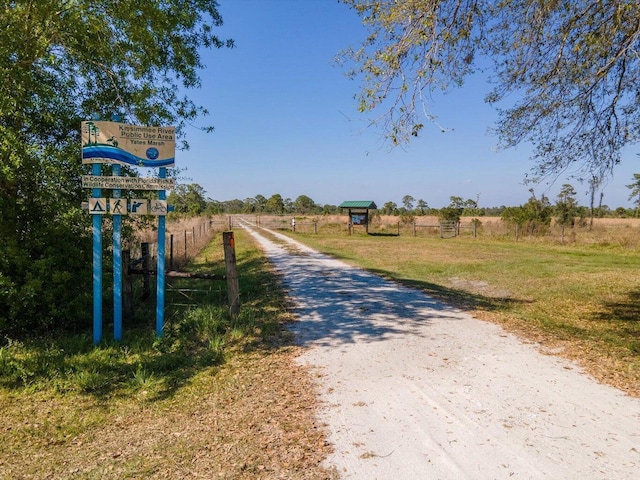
column 339, row 304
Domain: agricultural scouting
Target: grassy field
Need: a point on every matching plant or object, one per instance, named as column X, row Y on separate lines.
column 216, row 397
column 621, row 232
column 219, row 397
column 579, row 300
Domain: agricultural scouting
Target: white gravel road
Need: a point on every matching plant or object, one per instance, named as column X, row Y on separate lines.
column 413, row 389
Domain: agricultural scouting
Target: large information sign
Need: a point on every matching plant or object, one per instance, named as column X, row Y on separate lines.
column 112, row 142
column 120, row 144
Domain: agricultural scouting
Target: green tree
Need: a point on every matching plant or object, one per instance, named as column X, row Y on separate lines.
column 288, row 205
column 621, row 212
column 407, row 202
column 422, row 206
column 304, row 204
column 595, row 183
column 389, row 208
column 566, row 208
column 60, row 63
column 514, row 215
column 275, row 204
column 259, row 203
column 535, row 215
column 188, row 199
column 635, row 191
column 249, row 205
column 214, row 207
column 330, row 209
column 453, row 211
column 572, row 67
column 234, row 206
column 471, row 207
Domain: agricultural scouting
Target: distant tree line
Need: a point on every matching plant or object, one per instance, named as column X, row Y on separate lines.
column 190, row 200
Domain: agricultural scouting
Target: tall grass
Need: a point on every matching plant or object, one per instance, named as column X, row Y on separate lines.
column 197, row 336
column 185, row 238
column 623, row 232
column 191, row 403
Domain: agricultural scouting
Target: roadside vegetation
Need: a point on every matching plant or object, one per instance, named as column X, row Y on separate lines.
column 215, row 397
column 578, row 300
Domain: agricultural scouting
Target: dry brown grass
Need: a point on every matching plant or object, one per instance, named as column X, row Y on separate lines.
column 252, row 418
column 623, row 232
column 190, row 236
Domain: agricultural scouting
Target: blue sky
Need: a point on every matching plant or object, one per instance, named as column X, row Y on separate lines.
column 286, row 122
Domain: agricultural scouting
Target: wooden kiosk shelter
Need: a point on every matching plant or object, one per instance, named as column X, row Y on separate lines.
column 358, row 212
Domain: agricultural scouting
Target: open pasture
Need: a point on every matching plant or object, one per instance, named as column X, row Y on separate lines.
column 624, row 232
column 578, row 299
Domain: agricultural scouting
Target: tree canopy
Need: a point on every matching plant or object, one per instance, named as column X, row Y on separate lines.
column 61, row 63
column 566, row 208
column 188, row 199
column 635, row 189
column 572, row 66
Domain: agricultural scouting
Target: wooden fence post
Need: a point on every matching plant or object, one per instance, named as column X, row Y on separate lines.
column 233, row 290
column 171, row 252
column 146, row 266
column 127, row 287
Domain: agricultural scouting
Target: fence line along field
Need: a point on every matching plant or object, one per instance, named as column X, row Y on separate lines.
column 185, row 238
column 603, row 231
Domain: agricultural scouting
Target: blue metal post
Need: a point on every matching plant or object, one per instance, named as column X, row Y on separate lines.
column 161, row 253
column 117, row 264
column 97, row 263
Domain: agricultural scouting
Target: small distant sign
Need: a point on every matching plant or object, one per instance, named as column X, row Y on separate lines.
column 113, row 142
column 131, row 183
column 359, row 218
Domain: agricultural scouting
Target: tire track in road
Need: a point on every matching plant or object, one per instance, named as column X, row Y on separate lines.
column 414, row 389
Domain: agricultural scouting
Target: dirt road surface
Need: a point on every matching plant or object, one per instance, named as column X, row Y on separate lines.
column 413, row 389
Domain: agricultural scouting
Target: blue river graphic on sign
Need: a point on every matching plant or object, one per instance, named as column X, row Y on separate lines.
column 133, row 145
column 115, row 154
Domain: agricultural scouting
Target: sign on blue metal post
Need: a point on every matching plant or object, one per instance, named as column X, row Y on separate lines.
column 97, row 263
column 161, row 257
column 116, row 207
column 121, row 144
